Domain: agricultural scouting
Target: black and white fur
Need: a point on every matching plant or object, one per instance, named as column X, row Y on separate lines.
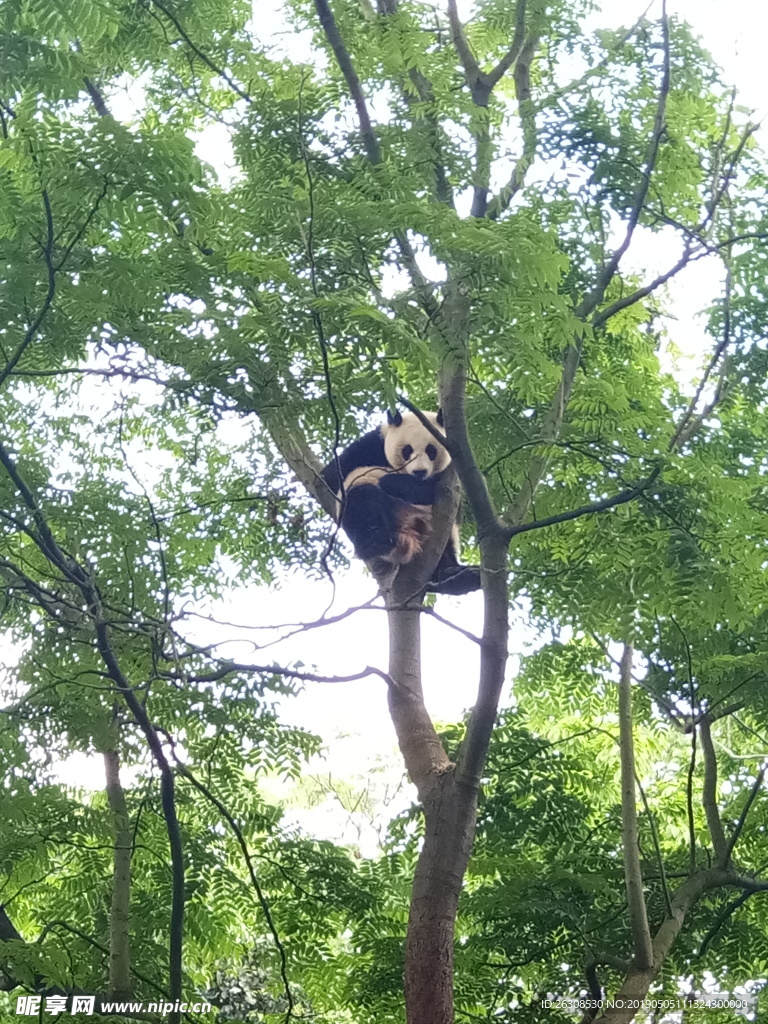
column 390, row 477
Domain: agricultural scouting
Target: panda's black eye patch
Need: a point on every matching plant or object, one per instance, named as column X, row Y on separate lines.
column 431, row 452
column 407, row 452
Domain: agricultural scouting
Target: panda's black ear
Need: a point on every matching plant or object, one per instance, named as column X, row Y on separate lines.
column 440, row 416
column 395, row 418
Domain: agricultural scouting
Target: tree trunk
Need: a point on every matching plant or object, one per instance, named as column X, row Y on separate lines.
column 119, row 920
column 449, row 832
column 443, row 858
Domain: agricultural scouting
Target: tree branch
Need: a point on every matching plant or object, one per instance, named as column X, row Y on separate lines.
column 260, row 896
column 591, row 301
column 709, row 794
column 599, row 319
column 756, row 786
column 689, row 804
column 725, row 915
column 527, row 114
column 599, row 506
column 98, row 100
column 595, row 990
column 468, row 60
column 425, row 114
column 481, row 86
column 638, row 979
column 453, row 327
column 557, row 94
column 656, row 844
column 201, row 55
column 371, row 144
column 228, row 668
column 343, row 59
column 8, row 931
column 496, row 74
column 481, row 129
column 689, row 424
column 553, row 419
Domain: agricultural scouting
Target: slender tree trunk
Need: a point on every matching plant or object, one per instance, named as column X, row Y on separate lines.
column 119, row 921
column 422, row 750
column 633, row 875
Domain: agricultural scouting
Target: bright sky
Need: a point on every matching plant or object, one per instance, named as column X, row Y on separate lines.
column 353, row 718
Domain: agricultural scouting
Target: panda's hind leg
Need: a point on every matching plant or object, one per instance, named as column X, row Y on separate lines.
column 450, row 576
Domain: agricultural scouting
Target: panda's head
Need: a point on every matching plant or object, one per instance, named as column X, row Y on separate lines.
column 410, row 448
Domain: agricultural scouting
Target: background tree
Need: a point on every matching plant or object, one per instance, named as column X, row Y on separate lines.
column 469, row 241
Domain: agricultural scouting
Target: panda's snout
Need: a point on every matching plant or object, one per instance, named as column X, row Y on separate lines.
column 420, row 474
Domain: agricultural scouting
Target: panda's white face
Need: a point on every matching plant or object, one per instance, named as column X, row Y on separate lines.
column 410, row 448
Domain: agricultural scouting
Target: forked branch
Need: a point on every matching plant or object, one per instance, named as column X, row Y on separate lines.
column 480, row 83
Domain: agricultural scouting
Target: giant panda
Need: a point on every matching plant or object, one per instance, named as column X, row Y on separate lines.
column 387, row 482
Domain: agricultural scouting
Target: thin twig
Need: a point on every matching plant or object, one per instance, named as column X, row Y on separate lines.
column 229, row 667
column 656, row 845
column 687, row 425
column 725, row 915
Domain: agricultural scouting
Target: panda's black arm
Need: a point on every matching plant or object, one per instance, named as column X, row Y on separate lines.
column 368, row 450
column 410, row 488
